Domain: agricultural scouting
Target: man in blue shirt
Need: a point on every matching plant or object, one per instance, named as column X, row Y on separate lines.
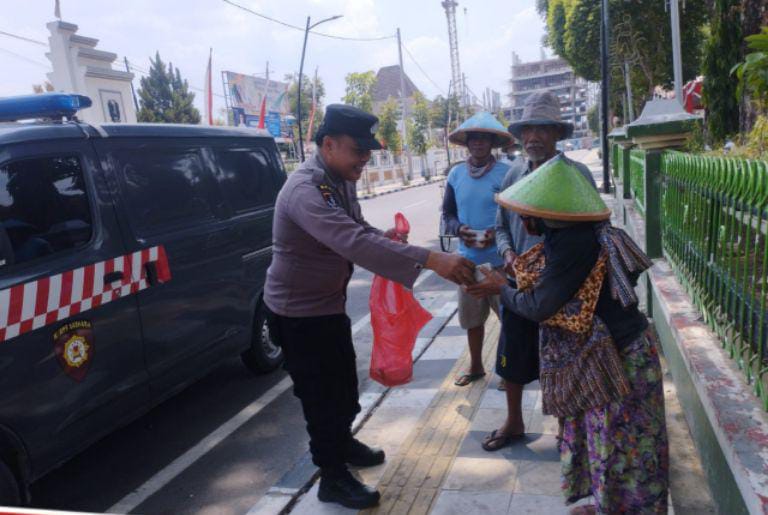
column 469, row 212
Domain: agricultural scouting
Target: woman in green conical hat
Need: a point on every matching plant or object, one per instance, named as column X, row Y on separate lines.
column 599, row 370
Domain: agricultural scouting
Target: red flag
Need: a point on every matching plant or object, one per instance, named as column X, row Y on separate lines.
column 209, row 91
column 263, row 111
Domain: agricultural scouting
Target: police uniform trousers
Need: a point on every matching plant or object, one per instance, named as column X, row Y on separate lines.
column 320, row 358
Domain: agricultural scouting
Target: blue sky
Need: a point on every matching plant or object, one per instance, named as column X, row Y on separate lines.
column 183, row 31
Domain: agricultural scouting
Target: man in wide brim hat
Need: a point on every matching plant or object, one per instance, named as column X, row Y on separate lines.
column 481, row 122
column 541, row 109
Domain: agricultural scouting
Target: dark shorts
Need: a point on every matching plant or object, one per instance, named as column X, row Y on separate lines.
column 517, row 356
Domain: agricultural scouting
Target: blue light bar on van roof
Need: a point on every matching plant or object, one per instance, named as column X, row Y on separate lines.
column 46, row 105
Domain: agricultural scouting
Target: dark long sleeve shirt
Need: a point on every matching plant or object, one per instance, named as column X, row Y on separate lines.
column 571, row 254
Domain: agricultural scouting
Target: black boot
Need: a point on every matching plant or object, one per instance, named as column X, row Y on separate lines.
column 343, row 488
column 360, row 455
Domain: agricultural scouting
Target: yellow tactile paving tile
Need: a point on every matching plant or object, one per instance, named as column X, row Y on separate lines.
column 412, row 478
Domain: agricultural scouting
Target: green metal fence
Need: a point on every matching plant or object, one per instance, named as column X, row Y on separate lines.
column 636, row 177
column 714, row 224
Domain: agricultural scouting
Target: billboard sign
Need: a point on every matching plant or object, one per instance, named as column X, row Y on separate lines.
column 246, row 92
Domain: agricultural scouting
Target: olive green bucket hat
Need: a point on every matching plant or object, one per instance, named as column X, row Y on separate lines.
column 555, row 191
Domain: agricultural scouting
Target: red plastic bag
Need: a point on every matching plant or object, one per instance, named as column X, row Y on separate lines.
column 396, row 318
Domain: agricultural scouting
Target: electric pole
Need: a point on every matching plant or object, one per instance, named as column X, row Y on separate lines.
column 677, row 61
column 403, row 104
column 604, row 35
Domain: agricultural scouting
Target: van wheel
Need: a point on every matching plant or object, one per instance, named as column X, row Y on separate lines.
column 264, row 355
column 9, row 487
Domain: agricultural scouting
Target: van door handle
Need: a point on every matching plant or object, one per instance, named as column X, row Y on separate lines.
column 113, row 277
column 151, row 270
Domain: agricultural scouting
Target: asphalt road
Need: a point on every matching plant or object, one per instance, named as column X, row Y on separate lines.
column 219, row 445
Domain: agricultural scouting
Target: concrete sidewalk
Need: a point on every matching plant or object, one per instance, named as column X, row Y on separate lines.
column 398, row 186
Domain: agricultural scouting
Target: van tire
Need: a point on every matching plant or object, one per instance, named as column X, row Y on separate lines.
column 10, row 495
column 264, row 355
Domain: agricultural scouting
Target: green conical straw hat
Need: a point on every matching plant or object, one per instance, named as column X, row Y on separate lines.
column 555, row 191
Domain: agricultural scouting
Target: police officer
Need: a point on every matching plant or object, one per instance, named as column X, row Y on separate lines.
column 319, row 232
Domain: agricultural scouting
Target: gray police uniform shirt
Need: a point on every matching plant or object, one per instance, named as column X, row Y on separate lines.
column 318, row 233
column 510, row 231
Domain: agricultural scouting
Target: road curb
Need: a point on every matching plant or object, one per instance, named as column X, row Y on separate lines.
column 403, row 188
column 281, row 499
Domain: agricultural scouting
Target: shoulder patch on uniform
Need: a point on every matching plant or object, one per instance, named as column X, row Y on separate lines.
column 327, row 193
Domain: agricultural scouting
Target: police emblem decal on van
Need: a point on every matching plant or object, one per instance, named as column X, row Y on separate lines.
column 29, row 306
column 74, row 345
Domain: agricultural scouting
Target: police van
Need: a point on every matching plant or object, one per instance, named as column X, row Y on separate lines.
column 132, row 261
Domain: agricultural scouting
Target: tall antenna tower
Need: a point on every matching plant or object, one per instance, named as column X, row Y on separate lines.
column 453, row 41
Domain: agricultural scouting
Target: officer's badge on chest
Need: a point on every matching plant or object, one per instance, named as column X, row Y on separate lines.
column 328, row 196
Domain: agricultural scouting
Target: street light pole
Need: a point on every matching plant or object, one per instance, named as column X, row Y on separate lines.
column 677, row 61
column 604, row 35
column 301, row 74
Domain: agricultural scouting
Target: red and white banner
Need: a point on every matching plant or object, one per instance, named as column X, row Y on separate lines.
column 29, row 306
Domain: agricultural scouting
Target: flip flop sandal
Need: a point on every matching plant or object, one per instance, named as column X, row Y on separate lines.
column 466, row 379
column 502, row 386
column 496, row 440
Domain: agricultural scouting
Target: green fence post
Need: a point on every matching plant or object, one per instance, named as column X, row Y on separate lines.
column 652, row 203
column 625, row 179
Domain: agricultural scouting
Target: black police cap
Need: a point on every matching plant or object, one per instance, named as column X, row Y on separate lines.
column 349, row 120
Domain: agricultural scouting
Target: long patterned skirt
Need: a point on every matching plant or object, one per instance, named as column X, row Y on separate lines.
column 619, row 453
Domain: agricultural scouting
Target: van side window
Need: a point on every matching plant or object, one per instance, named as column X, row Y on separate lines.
column 166, row 187
column 247, row 177
column 44, row 208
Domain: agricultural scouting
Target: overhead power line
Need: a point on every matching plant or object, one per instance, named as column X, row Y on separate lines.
column 302, row 29
column 27, row 59
column 22, row 38
column 413, row 59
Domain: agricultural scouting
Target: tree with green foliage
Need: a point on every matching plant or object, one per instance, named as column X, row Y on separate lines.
column 439, row 111
column 593, row 119
column 359, row 92
column 292, row 96
column 502, row 119
column 640, row 34
column 164, row 97
column 388, row 133
column 753, row 72
column 723, row 51
column 419, row 128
